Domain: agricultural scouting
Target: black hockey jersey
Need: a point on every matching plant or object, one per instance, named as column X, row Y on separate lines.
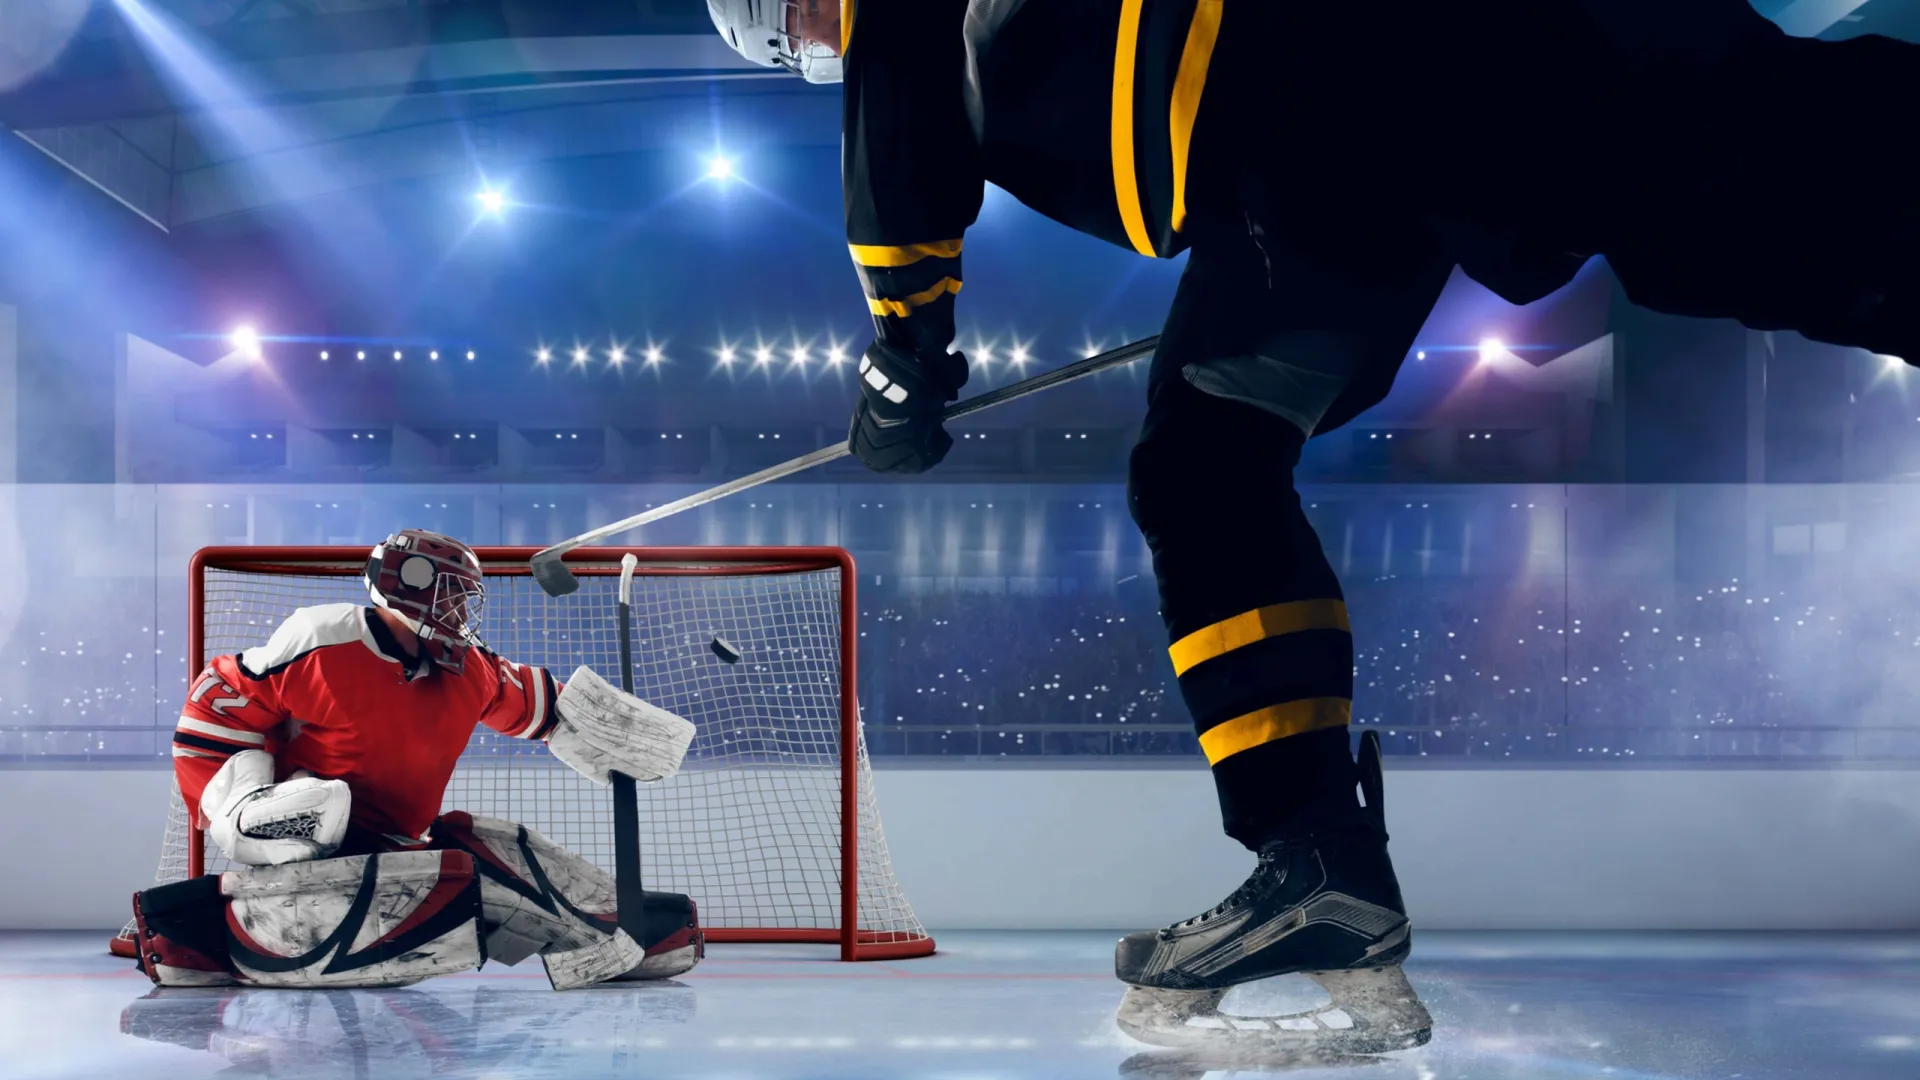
column 1093, row 112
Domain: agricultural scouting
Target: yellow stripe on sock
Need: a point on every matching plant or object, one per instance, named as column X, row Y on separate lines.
column 1263, row 726
column 1257, row 625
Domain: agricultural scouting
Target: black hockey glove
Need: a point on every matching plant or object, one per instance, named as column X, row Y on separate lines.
column 896, row 426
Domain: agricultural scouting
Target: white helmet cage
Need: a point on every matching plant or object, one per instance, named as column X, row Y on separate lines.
column 762, row 31
column 434, row 583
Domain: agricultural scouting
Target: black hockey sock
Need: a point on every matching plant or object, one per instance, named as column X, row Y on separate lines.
column 1300, row 784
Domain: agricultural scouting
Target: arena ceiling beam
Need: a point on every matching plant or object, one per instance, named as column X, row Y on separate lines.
column 339, row 87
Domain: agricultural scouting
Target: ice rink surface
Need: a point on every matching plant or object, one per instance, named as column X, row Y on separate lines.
column 1013, row 1005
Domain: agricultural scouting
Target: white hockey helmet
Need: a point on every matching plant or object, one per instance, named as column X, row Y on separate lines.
column 803, row 36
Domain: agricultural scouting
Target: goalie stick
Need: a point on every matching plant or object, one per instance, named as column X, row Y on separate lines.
column 630, row 896
column 555, row 579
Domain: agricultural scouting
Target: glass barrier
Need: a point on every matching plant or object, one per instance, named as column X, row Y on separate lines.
column 1491, row 623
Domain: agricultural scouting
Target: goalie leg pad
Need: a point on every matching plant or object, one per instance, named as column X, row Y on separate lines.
column 538, row 897
column 180, row 933
column 603, row 729
column 389, row 919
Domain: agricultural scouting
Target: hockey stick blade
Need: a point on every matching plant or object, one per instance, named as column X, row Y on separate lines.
column 552, row 574
column 550, row 570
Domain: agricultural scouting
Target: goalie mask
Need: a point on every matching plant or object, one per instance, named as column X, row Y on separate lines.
column 807, row 37
column 433, row 582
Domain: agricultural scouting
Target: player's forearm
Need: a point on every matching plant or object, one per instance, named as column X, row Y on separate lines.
column 910, row 292
column 523, row 701
column 910, row 164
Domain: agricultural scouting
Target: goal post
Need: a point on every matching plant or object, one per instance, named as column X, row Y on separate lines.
column 771, row 825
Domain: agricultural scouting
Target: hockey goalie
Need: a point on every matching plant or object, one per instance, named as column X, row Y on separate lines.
column 317, row 762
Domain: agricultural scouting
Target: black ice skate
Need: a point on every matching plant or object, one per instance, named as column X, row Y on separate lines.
column 1322, row 902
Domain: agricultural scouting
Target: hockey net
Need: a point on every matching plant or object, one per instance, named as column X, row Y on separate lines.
column 771, row 825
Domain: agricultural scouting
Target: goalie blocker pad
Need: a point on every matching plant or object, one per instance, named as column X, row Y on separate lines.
column 603, row 730
column 389, row 919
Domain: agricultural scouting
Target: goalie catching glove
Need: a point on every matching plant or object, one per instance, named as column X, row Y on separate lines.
column 603, row 730
column 260, row 823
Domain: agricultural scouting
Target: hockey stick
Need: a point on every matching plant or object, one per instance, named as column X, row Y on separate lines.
column 554, row 577
column 630, row 896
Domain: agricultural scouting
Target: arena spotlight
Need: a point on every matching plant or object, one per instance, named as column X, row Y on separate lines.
column 1890, row 363
column 396, row 354
column 542, row 355
column 1421, row 355
column 491, row 202
column 616, row 356
column 762, row 356
column 1018, row 358
column 246, row 342
column 579, row 356
column 836, row 355
column 799, row 356
column 1490, row 349
column 725, row 356
column 655, row 355
column 720, row 167
column 324, row 355
column 469, row 354
column 434, row 355
column 360, row 354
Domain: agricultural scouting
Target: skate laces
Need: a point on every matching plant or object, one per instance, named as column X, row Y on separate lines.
column 1255, row 883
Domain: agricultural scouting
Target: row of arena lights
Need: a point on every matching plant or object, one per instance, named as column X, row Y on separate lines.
column 246, row 342
column 763, row 356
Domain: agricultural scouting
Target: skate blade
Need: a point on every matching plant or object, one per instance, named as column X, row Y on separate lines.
column 1197, row 1064
column 1374, row 1011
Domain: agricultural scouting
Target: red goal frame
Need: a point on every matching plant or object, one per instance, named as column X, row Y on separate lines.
column 348, row 561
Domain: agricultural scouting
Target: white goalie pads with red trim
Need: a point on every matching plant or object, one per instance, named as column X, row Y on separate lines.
column 366, row 920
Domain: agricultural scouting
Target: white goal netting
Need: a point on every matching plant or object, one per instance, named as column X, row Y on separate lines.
column 752, row 827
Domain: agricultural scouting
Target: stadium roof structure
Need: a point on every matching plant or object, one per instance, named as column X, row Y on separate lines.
column 191, row 110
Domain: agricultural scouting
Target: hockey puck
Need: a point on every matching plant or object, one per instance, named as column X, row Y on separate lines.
column 723, row 650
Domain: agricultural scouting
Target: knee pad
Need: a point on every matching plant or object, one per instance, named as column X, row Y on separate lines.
column 1203, row 459
column 535, row 894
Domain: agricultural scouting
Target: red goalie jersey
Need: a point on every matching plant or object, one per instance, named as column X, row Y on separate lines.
column 333, row 693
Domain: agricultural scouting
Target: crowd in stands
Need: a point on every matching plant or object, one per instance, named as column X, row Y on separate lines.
column 1456, row 667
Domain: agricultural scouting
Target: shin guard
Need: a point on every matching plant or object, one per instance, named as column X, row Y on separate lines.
column 370, row 920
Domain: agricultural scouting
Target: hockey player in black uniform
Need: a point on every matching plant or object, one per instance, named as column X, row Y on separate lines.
column 1326, row 166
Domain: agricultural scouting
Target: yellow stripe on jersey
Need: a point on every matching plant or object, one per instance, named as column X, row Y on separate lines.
column 1126, row 186
column 1257, row 625
column 904, row 306
column 846, row 25
column 905, row 255
column 1274, row 722
column 1187, row 86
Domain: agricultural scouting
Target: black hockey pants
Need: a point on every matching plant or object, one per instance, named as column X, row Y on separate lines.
column 1731, row 173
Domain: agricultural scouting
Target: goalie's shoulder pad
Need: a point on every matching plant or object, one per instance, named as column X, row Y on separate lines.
column 603, row 729
column 305, row 630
